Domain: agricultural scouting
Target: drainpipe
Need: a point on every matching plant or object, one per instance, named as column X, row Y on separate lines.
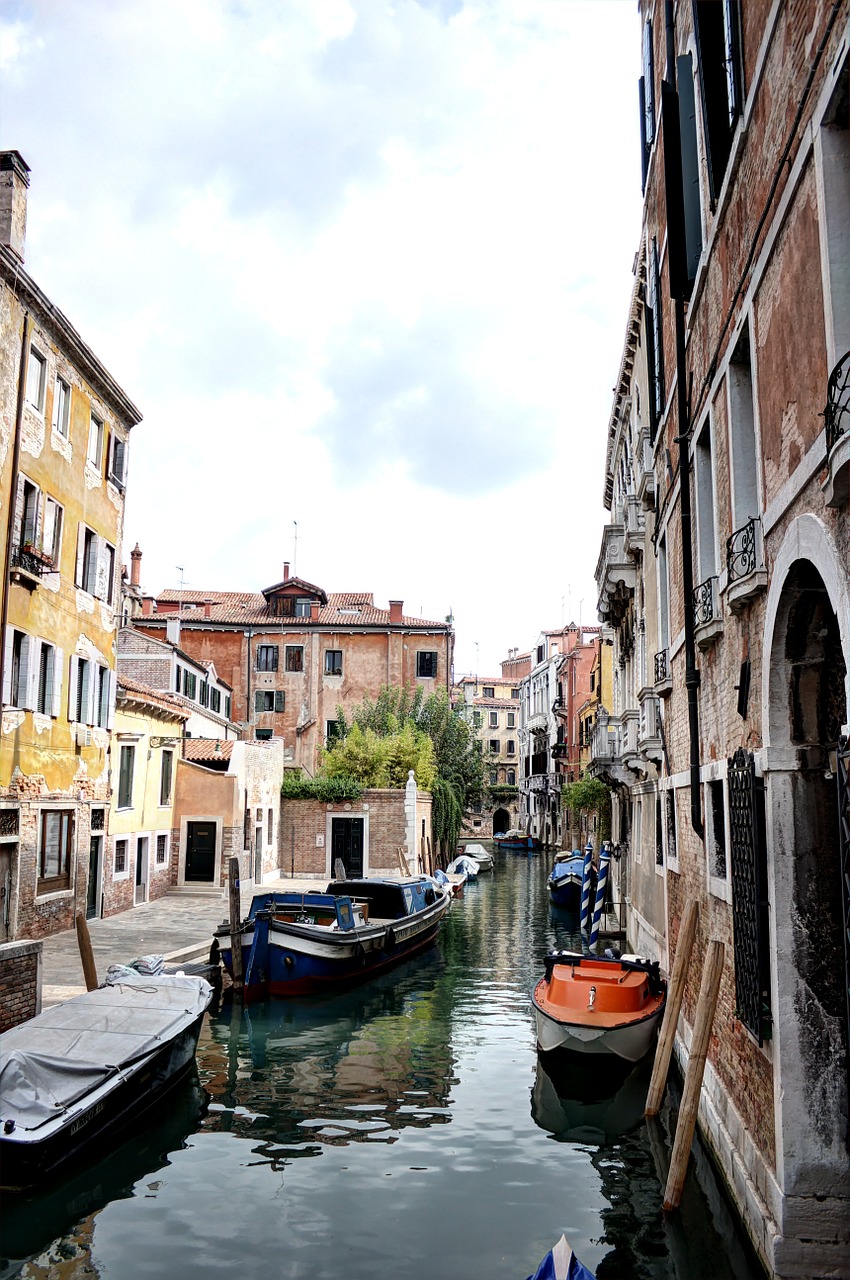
column 13, row 493
column 679, row 291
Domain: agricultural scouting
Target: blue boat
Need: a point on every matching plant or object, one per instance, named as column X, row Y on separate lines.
column 564, row 882
column 297, row 944
column 561, row 1263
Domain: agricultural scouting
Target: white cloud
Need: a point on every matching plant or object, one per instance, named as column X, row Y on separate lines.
column 364, row 266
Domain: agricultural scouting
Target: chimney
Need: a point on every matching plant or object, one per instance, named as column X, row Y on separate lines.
column 172, row 631
column 314, row 609
column 147, row 606
column 286, row 570
column 136, row 566
column 14, row 180
column 207, row 608
column 395, row 610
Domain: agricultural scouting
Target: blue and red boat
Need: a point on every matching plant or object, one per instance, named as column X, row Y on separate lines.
column 516, row 840
column 565, row 879
column 297, row 944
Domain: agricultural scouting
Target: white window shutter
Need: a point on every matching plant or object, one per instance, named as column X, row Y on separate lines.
column 48, row 525
column 30, row 654
column 58, row 665
column 91, row 694
column 73, row 681
column 93, row 565
column 110, row 707
column 81, row 547
column 8, row 650
column 102, row 562
column 19, row 509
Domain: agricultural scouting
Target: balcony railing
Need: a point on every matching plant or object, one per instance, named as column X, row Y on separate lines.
column 743, row 551
column 30, row 560
column 706, row 608
column 837, row 412
column 662, row 666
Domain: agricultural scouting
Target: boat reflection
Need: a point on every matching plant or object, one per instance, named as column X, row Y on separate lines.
column 577, row 1103
column 66, row 1213
column 293, row 1076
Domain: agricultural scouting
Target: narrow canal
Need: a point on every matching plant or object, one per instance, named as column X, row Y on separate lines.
column 402, row 1130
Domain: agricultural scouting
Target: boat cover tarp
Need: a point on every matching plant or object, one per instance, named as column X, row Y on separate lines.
column 50, row 1062
column 563, row 870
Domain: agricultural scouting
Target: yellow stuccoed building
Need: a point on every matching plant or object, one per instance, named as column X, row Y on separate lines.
column 64, row 431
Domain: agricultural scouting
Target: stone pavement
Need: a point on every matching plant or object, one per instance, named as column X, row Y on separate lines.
column 179, row 927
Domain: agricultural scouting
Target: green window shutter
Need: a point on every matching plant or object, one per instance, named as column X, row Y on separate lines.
column 259, row 700
column 279, row 699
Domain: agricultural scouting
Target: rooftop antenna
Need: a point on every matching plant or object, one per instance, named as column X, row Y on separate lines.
column 179, row 569
column 295, row 550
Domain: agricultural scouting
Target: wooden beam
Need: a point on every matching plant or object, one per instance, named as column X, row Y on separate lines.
column 86, row 953
column 675, row 992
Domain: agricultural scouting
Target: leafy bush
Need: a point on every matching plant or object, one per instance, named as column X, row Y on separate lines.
column 331, row 790
column 589, row 795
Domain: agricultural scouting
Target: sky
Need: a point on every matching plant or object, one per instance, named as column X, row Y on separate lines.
column 365, row 269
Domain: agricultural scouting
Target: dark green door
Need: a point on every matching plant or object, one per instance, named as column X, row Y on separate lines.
column 93, row 893
column 347, row 844
column 200, row 852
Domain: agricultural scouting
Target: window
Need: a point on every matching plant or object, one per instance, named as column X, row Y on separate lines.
column 489, row 691
column 80, row 691
column 29, row 505
column 511, row 719
column 270, row 827
column 494, row 777
column 54, row 866
column 541, row 652
column 332, row 733
column 44, row 692
column 637, row 832
column 204, row 694
column 515, row 694
column 721, row 83
column 716, row 836
column 263, row 735
column 117, row 460
column 16, row 668
column 476, row 719
column 87, row 559
column 227, row 706
column 178, row 677
column 294, row 657
column 494, row 746
column 269, row 700
column 511, row 747
column 659, row 832
column 426, row 664
column 165, row 777
column 511, row 777
column 654, row 343
column 62, row 407
column 670, row 810
column 51, row 532
column 333, row 662
column 121, row 857
column 125, row 776
column 663, row 595
column 36, row 379
column 494, row 719
column 704, row 486
column 647, row 101
column 190, row 684
column 94, row 453
column 215, row 700
column 267, row 657
column 303, row 608
column 161, row 850
column 742, row 430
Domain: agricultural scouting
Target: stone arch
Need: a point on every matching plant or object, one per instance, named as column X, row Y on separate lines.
column 501, row 821
column 805, row 706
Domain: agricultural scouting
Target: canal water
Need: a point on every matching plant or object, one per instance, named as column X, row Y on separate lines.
column 402, row 1131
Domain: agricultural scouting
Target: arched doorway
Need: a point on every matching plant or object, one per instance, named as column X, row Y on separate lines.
column 806, row 707
column 501, row 821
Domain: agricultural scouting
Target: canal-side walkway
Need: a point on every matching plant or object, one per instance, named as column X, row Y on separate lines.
column 178, row 927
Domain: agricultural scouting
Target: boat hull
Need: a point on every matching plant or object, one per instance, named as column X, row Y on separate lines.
column 565, row 892
column 594, row 1006
column 26, row 1160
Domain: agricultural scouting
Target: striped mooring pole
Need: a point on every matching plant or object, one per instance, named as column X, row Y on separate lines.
column 585, row 886
column 601, row 884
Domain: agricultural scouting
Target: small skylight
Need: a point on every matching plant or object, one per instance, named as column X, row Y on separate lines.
column 350, row 608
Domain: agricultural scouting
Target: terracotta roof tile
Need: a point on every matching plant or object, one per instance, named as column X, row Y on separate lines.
column 207, row 749
column 154, row 697
column 242, row 607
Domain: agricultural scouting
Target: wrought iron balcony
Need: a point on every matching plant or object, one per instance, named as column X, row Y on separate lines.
column 837, row 412
column 837, row 423
column 745, row 568
column 707, row 620
column 663, row 673
column 26, row 558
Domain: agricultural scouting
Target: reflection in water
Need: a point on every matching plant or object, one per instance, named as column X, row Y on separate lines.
column 386, row 1131
column 572, row 1101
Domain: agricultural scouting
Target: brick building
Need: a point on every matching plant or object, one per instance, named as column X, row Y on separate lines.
column 724, row 576
column 64, row 441
column 294, row 653
column 490, row 705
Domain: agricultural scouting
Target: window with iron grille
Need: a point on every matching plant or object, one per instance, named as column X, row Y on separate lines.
column 270, row 826
column 97, row 819
column 161, row 850
column 659, row 832
column 750, row 905
column 120, row 857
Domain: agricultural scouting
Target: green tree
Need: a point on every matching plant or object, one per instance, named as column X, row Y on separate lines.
column 589, row 795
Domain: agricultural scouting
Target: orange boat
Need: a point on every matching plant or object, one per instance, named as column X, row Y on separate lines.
column 593, row 1005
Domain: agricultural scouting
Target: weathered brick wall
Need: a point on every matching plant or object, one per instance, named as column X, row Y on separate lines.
column 20, row 982
column 308, row 819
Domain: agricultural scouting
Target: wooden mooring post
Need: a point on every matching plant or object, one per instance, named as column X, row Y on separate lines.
column 86, row 953
column 689, row 1108
column 235, row 904
column 675, row 992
